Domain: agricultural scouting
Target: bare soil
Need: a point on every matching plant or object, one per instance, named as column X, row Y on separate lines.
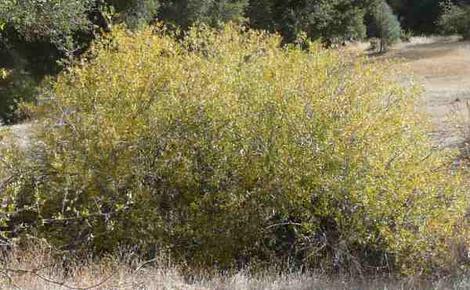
column 442, row 66
column 20, row 134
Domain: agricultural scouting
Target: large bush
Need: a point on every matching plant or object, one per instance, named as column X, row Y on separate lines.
column 224, row 148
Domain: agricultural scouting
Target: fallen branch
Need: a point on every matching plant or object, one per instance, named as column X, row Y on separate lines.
column 6, row 272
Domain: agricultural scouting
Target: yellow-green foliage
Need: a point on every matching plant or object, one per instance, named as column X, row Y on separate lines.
column 225, row 148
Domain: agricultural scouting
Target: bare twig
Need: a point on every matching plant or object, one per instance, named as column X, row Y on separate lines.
column 63, row 284
column 143, row 264
column 283, row 224
column 4, row 183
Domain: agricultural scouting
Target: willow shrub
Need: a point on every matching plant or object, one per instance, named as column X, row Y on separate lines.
column 225, row 149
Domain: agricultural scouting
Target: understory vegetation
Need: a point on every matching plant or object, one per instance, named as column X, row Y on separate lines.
column 223, row 148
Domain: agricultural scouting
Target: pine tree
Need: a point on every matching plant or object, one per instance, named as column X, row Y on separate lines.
column 384, row 25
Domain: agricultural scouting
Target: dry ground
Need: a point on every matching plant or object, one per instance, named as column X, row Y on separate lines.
column 19, row 134
column 37, row 270
column 442, row 66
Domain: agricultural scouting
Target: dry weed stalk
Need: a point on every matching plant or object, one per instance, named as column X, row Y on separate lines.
column 40, row 268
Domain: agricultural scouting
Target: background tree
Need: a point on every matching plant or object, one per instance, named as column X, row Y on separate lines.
column 455, row 19
column 184, row 13
column 384, row 25
column 329, row 20
column 134, row 12
column 35, row 35
column 418, row 16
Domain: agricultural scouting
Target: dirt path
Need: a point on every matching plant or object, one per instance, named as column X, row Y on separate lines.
column 20, row 134
column 442, row 65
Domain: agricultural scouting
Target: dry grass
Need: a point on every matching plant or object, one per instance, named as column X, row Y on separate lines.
column 40, row 271
column 442, row 65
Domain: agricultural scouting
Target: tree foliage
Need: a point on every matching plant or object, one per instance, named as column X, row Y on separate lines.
column 34, row 35
column 52, row 20
column 134, row 13
column 185, row 13
column 419, row 16
column 329, row 20
column 384, row 25
column 225, row 148
column 455, row 19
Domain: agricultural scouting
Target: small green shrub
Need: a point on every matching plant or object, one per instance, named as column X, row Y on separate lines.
column 406, row 35
column 224, row 148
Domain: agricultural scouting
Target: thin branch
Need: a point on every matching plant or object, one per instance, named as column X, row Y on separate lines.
column 144, row 264
column 63, row 284
column 34, row 272
column 7, row 181
column 283, row 224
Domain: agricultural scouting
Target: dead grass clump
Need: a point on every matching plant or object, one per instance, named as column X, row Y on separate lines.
column 41, row 268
